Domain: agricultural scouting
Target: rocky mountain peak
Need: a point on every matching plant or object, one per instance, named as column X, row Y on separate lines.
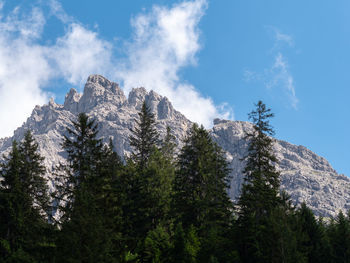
column 99, row 90
column 71, row 100
column 136, row 97
column 305, row 175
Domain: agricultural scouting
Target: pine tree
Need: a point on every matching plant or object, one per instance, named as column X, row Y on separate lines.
column 33, row 172
column 339, row 233
column 261, row 188
column 24, row 229
column 201, row 181
column 200, row 191
column 264, row 222
column 312, row 238
column 145, row 136
column 110, row 198
column 168, row 145
column 148, row 183
column 186, row 245
column 86, row 234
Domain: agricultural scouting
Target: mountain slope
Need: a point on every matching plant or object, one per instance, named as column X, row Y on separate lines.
column 306, row 176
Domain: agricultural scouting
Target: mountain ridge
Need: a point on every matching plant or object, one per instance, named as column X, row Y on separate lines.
column 305, row 175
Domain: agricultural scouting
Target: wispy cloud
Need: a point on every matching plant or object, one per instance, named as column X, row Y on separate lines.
column 280, row 39
column 278, row 75
column 164, row 40
column 282, row 77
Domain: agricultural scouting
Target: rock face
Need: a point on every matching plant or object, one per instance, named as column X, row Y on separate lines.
column 305, row 176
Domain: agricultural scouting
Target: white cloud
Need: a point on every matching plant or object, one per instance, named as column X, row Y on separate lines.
column 165, row 40
column 281, row 76
column 57, row 10
column 23, row 68
column 27, row 66
column 80, row 53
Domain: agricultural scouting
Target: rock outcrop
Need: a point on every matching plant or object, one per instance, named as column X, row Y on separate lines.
column 306, row 176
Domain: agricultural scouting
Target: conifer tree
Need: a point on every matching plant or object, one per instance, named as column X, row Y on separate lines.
column 339, row 232
column 33, row 172
column 201, row 181
column 186, row 245
column 312, row 238
column 148, row 182
column 264, row 223
column 200, row 190
column 145, row 136
column 168, row 145
column 261, row 180
column 85, row 235
column 24, row 230
column 144, row 142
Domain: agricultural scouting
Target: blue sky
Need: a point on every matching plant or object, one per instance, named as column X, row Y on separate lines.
column 219, row 56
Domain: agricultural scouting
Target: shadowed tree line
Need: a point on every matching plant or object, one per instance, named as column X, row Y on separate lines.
column 159, row 204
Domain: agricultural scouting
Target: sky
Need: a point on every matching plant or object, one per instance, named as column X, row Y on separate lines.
column 217, row 56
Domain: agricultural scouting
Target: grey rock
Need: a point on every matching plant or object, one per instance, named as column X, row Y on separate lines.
column 305, row 175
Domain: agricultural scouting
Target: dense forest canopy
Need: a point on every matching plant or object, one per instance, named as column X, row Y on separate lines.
column 158, row 205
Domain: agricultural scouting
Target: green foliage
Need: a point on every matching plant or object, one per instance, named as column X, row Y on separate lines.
column 155, row 207
column 261, row 180
column 168, row 145
column 24, row 205
column 265, row 215
column 201, row 182
column 145, row 136
column 200, row 192
column 148, row 182
column 157, row 245
column 91, row 215
column 339, row 235
column 186, row 245
column 313, row 241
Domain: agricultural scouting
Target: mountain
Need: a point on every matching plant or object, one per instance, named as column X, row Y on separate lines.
column 305, row 175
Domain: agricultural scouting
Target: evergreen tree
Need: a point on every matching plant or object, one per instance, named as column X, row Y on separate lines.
column 24, row 230
column 339, row 235
column 168, row 145
column 312, row 238
column 148, row 182
column 157, row 246
column 261, row 188
column 145, row 136
column 87, row 234
column 186, row 245
column 262, row 210
column 200, row 191
column 33, row 172
column 110, row 198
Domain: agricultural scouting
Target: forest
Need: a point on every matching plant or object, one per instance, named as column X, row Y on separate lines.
column 160, row 204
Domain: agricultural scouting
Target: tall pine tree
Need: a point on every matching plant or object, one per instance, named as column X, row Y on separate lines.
column 264, row 223
column 24, row 205
column 200, row 192
column 145, row 137
column 148, row 182
column 86, row 235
